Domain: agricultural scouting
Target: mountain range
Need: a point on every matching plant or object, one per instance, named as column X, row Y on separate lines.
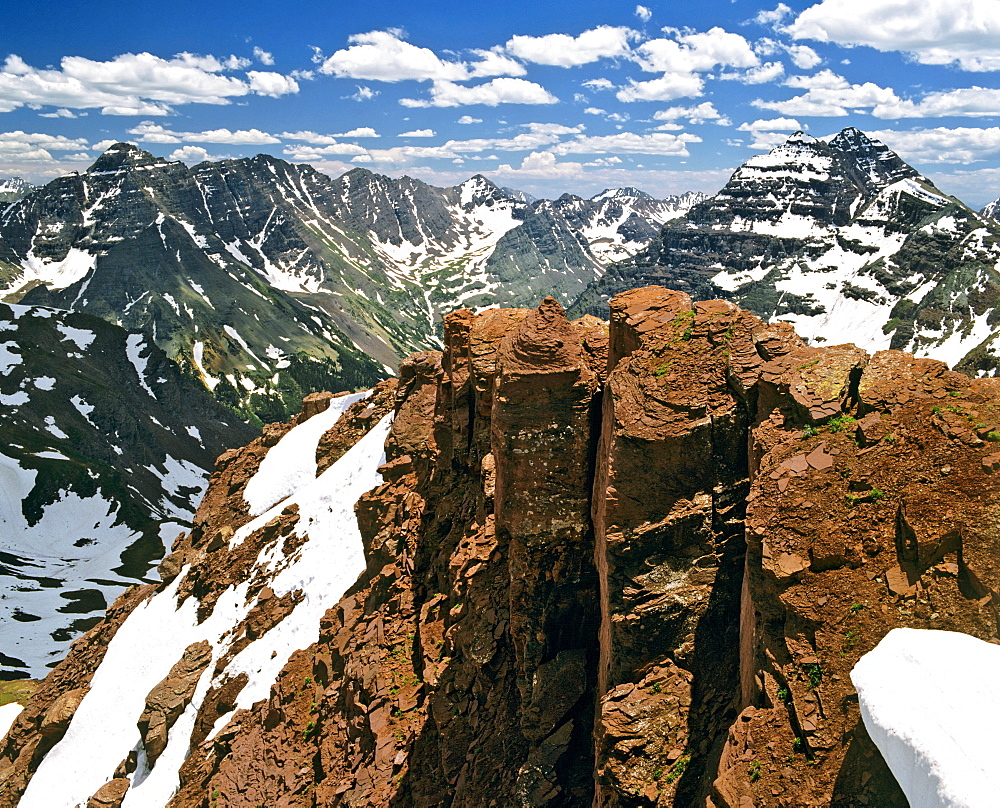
column 266, row 278
column 261, row 281
column 842, row 239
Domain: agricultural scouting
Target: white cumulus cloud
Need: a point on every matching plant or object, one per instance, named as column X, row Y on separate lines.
column 696, row 52
column 659, row 143
column 701, row 113
column 943, row 145
column 383, row 56
column 965, row 32
column 541, row 165
column 967, row 102
column 643, row 13
column 418, row 133
column 829, row 95
column 263, row 56
column 191, row 155
column 668, row 88
column 149, row 132
column 129, row 84
column 491, row 94
column 271, row 84
column 564, row 50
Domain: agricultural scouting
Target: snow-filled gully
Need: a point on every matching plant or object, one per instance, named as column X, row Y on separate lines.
column 154, row 636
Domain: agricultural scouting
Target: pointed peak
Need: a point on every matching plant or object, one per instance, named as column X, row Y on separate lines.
column 800, row 138
column 123, row 155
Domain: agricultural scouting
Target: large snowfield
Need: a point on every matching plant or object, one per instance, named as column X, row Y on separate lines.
column 931, row 702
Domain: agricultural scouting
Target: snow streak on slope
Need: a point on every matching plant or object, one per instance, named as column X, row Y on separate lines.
column 929, row 701
column 154, row 636
column 291, row 462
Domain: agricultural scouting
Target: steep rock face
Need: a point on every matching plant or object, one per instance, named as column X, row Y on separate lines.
column 623, row 567
column 842, row 239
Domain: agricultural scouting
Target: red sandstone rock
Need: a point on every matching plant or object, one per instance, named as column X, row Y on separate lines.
column 740, row 564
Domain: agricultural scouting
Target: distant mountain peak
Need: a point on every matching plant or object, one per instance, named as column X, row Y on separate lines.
column 620, row 193
column 123, row 155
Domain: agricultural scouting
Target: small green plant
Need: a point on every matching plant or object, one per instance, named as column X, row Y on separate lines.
column 814, row 674
column 874, row 495
column 754, row 771
column 954, row 393
column 857, row 607
column 841, row 423
column 784, row 695
column 309, row 731
column 661, row 371
column 678, row 769
column 656, row 688
column 657, row 773
column 307, row 681
column 890, row 438
column 936, row 410
column 809, row 364
column 993, row 435
column 393, row 691
column 809, row 431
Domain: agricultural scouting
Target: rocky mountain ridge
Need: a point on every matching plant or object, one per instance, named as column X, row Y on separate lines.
column 624, row 564
column 845, row 241
column 269, row 279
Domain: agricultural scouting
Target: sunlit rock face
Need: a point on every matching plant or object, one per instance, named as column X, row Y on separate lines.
column 559, row 563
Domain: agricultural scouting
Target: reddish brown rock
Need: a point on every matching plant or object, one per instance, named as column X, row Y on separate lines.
column 642, row 587
column 167, row 700
column 110, row 795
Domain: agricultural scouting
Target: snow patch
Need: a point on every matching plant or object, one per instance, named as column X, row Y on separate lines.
column 134, row 344
column 80, row 336
column 291, row 462
column 929, row 702
column 103, row 730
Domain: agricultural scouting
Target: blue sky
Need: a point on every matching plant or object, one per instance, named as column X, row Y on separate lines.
column 549, row 97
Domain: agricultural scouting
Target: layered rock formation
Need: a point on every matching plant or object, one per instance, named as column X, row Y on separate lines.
column 624, row 564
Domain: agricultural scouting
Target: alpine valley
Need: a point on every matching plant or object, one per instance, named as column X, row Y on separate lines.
column 620, row 547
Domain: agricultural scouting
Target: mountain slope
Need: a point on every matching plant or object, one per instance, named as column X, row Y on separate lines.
column 245, row 270
column 127, row 241
column 13, row 188
column 105, row 451
column 842, row 239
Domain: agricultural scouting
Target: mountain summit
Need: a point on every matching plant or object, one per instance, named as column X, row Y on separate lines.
column 843, row 239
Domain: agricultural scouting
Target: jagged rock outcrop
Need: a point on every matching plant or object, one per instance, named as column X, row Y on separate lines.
column 623, row 567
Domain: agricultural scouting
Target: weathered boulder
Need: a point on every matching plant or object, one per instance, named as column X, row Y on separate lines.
column 167, row 700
